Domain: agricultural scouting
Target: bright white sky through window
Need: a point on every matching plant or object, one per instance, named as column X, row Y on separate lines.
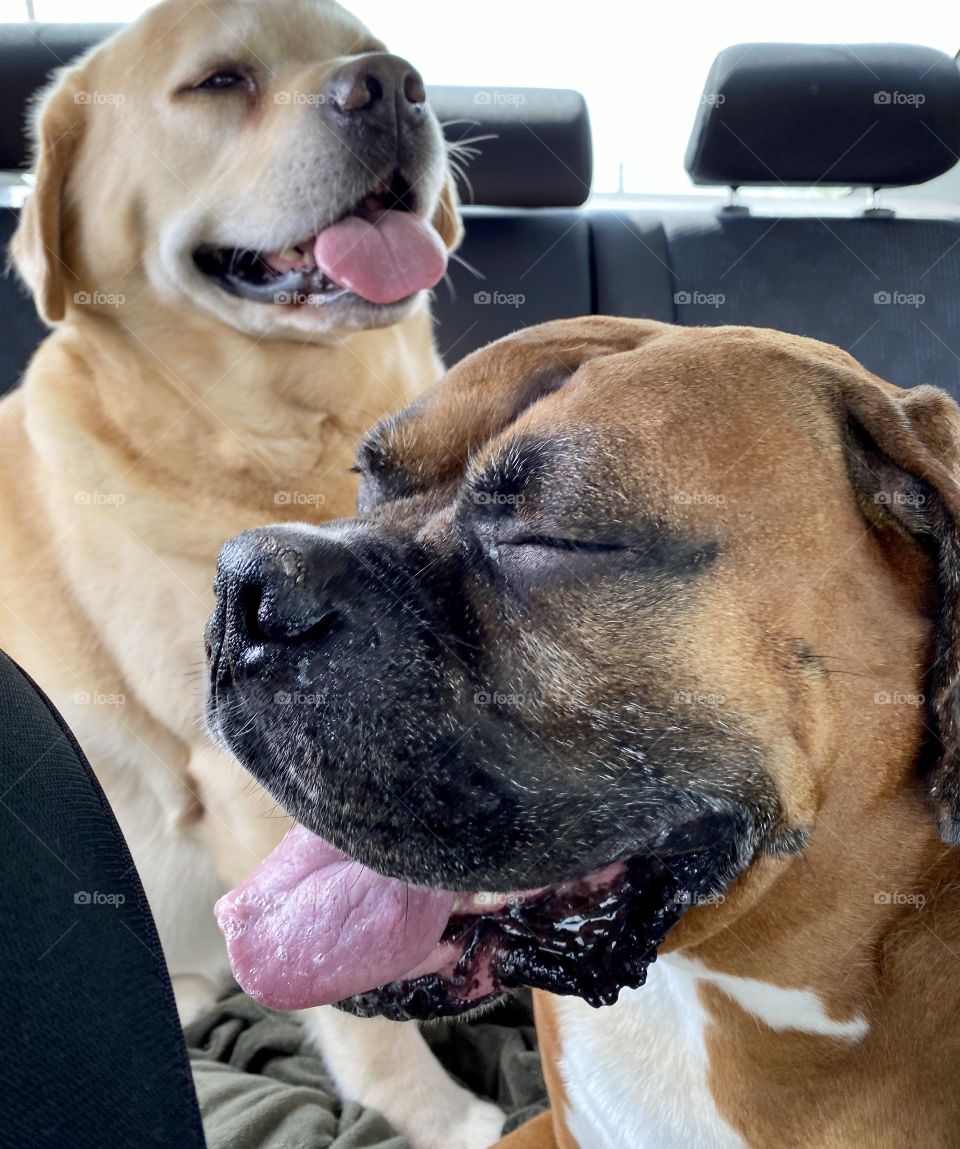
column 640, row 65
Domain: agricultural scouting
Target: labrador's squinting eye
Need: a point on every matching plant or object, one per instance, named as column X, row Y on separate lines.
column 222, row 81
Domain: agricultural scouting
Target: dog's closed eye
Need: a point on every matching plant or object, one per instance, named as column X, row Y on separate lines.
column 220, row 80
column 223, row 78
column 646, row 551
column 561, row 544
column 529, row 555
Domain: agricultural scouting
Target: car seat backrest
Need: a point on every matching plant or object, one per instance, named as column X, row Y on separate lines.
column 782, row 115
column 885, row 288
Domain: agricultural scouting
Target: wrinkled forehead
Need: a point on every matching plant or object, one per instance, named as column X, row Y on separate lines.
column 272, row 34
column 642, row 407
column 488, row 394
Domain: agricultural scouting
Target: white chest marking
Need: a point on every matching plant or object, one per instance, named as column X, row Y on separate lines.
column 777, row 1006
column 636, row 1072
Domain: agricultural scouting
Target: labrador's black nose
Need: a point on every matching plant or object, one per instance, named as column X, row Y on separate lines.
column 373, row 86
column 280, row 585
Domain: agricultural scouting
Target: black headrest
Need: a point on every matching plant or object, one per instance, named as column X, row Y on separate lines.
column 878, row 115
column 540, row 155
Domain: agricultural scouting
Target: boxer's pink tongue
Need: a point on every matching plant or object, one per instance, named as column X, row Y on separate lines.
column 310, row 926
column 383, row 259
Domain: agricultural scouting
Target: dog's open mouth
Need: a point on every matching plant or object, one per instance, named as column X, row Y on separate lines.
column 380, row 251
column 311, row 926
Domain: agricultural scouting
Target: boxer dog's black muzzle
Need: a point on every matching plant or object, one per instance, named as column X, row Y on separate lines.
column 359, row 673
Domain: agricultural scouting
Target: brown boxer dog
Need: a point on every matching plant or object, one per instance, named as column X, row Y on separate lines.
column 645, row 638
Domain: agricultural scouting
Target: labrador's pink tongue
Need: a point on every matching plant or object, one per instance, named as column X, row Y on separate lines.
column 310, row 926
column 384, row 259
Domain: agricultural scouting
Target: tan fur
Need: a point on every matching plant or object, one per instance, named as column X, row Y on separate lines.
column 535, row 1134
column 548, row 1037
column 163, row 415
column 147, row 433
column 817, row 607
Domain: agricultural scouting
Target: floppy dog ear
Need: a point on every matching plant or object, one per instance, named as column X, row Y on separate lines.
column 446, row 218
column 37, row 244
column 904, row 449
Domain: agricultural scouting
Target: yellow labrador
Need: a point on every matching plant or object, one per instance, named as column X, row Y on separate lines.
column 239, row 207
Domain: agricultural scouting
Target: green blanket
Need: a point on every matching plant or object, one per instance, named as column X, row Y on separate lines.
column 260, row 1087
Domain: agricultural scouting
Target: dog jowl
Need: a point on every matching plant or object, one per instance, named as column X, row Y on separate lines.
column 539, row 699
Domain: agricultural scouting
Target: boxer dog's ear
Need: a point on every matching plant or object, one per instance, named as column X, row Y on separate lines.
column 904, row 457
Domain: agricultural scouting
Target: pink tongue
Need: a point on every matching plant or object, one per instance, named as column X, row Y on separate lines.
column 310, row 926
column 385, row 260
